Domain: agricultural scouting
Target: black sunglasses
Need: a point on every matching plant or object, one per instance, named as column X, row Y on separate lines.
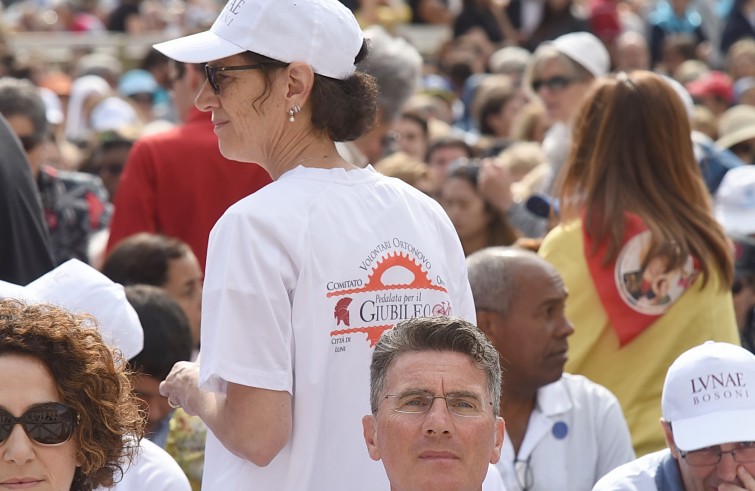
column 50, row 423
column 554, row 83
column 212, row 73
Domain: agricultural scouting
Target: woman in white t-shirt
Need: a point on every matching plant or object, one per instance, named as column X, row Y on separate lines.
column 304, row 275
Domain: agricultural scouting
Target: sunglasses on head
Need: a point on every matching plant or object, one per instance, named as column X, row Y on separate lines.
column 553, row 84
column 50, row 423
column 212, row 73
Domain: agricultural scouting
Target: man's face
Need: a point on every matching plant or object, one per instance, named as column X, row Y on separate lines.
column 147, row 388
column 726, row 475
column 532, row 338
column 435, row 450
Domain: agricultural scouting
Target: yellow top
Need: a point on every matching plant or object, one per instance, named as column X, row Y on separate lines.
column 634, row 373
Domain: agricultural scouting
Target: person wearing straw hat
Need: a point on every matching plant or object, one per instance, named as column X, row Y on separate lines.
column 736, row 131
column 303, row 276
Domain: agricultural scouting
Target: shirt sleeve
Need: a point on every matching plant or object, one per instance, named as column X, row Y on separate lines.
column 247, row 332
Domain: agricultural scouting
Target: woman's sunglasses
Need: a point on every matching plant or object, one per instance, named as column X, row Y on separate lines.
column 212, row 73
column 50, row 423
column 554, row 84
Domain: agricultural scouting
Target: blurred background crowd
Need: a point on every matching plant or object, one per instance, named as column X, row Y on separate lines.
column 476, row 105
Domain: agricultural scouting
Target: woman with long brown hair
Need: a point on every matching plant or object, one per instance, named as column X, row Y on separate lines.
column 647, row 266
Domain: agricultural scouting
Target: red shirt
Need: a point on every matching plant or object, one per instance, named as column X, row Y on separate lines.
column 177, row 183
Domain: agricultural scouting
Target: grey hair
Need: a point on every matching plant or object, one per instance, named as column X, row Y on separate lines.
column 21, row 97
column 397, row 68
column 493, row 277
column 438, row 333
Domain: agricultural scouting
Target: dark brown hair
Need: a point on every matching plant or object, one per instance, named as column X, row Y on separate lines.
column 343, row 109
column 143, row 258
column 499, row 231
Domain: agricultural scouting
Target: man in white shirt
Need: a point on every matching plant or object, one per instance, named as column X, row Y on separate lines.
column 708, row 406
column 562, row 431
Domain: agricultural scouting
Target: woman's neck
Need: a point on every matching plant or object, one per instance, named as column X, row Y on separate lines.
column 317, row 154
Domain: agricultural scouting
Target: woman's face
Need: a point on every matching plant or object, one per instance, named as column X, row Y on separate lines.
column 184, row 284
column 503, row 120
column 26, row 464
column 563, row 99
column 465, row 208
column 246, row 132
column 412, row 139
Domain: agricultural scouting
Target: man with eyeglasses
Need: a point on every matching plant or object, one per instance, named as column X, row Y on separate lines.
column 563, row 432
column 708, row 407
column 435, row 385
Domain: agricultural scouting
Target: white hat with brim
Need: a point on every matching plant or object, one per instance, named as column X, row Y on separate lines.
column 708, row 397
column 734, row 203
column 199, row 48
column 81, row 289
column 714, row 429
column 584, row 49
column 735, row 221
column 322, row 33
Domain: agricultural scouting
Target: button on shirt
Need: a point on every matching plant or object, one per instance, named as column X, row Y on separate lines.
column 576, row 434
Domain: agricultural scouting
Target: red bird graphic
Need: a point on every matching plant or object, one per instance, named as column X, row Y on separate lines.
column 342, row 311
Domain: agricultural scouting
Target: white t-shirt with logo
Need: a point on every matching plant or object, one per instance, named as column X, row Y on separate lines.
column 302, row 278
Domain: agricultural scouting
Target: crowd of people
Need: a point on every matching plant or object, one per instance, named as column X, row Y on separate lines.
column 291, row 232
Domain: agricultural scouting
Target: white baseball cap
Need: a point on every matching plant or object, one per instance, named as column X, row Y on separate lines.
column 79, row 288
column 321, row 33
column 709, row 396
column 585, row 49
column 735, row 200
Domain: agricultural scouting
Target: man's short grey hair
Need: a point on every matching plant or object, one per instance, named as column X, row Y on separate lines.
column 397, row 68
column 21, row 97
column 493, row 277
column 439, row 333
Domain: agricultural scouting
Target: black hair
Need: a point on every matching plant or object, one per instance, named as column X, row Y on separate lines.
column 167, row 335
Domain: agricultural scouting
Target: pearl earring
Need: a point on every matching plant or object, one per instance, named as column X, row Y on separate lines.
column 294, row 110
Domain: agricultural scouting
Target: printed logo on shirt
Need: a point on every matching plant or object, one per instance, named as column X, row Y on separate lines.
column 398, row 285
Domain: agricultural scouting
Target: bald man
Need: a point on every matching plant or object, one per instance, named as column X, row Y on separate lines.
column 562, row 431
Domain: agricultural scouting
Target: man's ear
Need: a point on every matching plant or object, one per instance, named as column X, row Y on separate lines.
column 669, row 436
column 369, row 427
column 500, row 427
